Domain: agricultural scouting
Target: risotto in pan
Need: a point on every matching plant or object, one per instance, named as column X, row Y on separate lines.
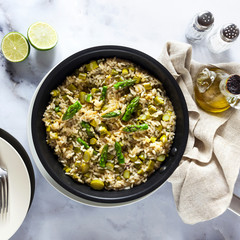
column 110, row 124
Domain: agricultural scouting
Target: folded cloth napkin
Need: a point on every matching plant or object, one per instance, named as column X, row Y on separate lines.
column 204, row 181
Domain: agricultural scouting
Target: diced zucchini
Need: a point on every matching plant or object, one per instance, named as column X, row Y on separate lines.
column 109, row 166
column 133, row 159
column 103, row 131
column 140, row 172
column 91, row 66
column 95, row 90
column 166, row 117
column 85, row 167
column 53, row 135
column 150, row 166
column 76, row 149
column 152, row 109
column 87, row 155
column 65, row 97
column 114, row 72
column 124, row 71
column 159, row 128
column 147, row 86
column 126, row 174
column 161, row 157
column 163, row 138
column 55, row 93
column 97, row 184
column 72, row 87
column 82, row 97
column 142, row 156
column 158, row 101
column 93, row 141
column 153, row 139
column 82, row 76
column 93, row 123
column 137, row 78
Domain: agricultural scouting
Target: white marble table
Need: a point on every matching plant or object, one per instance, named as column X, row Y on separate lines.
column 144, row 25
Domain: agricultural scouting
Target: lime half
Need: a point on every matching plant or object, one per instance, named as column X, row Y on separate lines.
column 42, row 36
column 15, row 47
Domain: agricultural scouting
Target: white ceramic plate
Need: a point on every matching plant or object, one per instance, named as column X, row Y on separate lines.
column 19, row 189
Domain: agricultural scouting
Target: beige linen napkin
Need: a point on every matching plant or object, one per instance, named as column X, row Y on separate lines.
column 204, row 181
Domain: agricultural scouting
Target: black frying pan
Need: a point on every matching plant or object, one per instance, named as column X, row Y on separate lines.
column 47, row 161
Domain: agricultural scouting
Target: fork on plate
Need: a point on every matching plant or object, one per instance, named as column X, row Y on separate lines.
column 3, row 194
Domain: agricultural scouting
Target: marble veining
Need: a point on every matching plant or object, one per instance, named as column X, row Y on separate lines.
column 144, row 25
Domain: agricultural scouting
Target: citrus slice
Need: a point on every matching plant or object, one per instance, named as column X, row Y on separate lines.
column 42, row 36
column 15, row 47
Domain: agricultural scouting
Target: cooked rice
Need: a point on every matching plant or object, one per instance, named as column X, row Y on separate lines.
column 139, row 148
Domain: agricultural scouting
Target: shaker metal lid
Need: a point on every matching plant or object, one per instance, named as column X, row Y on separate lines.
column 204, row 20
column 233, row 84
column 229, row 32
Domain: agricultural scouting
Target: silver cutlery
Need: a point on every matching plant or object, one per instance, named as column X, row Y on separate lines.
column 4, row 194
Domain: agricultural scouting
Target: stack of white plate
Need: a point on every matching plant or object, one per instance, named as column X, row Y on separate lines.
column 14, row 158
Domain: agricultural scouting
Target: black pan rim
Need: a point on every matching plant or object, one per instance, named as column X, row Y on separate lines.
column 137, row 194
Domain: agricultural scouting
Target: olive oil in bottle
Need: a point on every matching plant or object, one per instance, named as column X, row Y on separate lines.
column 216, row 90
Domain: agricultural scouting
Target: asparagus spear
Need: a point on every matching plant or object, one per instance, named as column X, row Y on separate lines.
column 72, row 110
column 120, row 156
column 88, row 98
column 123, row 84
column 104, row 93
column 111, row 114
column 131, row 107
column 83, row 143
column 103, row 157
column 86, row 145
column 88, row 128
column 134, row 128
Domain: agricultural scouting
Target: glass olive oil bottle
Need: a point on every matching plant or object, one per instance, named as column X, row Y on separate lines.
column 216, row 90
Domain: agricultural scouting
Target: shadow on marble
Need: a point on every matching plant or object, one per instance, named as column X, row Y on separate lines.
column 31, row 70
column 201, row 51
column 45, row 58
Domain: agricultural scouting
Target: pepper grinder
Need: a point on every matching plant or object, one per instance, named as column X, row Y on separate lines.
column 199, row 27
column 223, row 38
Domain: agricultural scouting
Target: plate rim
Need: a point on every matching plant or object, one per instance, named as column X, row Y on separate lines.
column 20, row 158
column 24, row 156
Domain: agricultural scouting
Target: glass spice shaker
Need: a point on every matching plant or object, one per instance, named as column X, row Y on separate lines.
column 199, row 27
column 223, row 38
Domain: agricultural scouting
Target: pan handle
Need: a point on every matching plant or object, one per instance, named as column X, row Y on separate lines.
column 235, row 205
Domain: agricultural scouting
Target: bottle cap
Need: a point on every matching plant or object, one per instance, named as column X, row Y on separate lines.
column 204, row 20
column 229, row 32
column 233, row 84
